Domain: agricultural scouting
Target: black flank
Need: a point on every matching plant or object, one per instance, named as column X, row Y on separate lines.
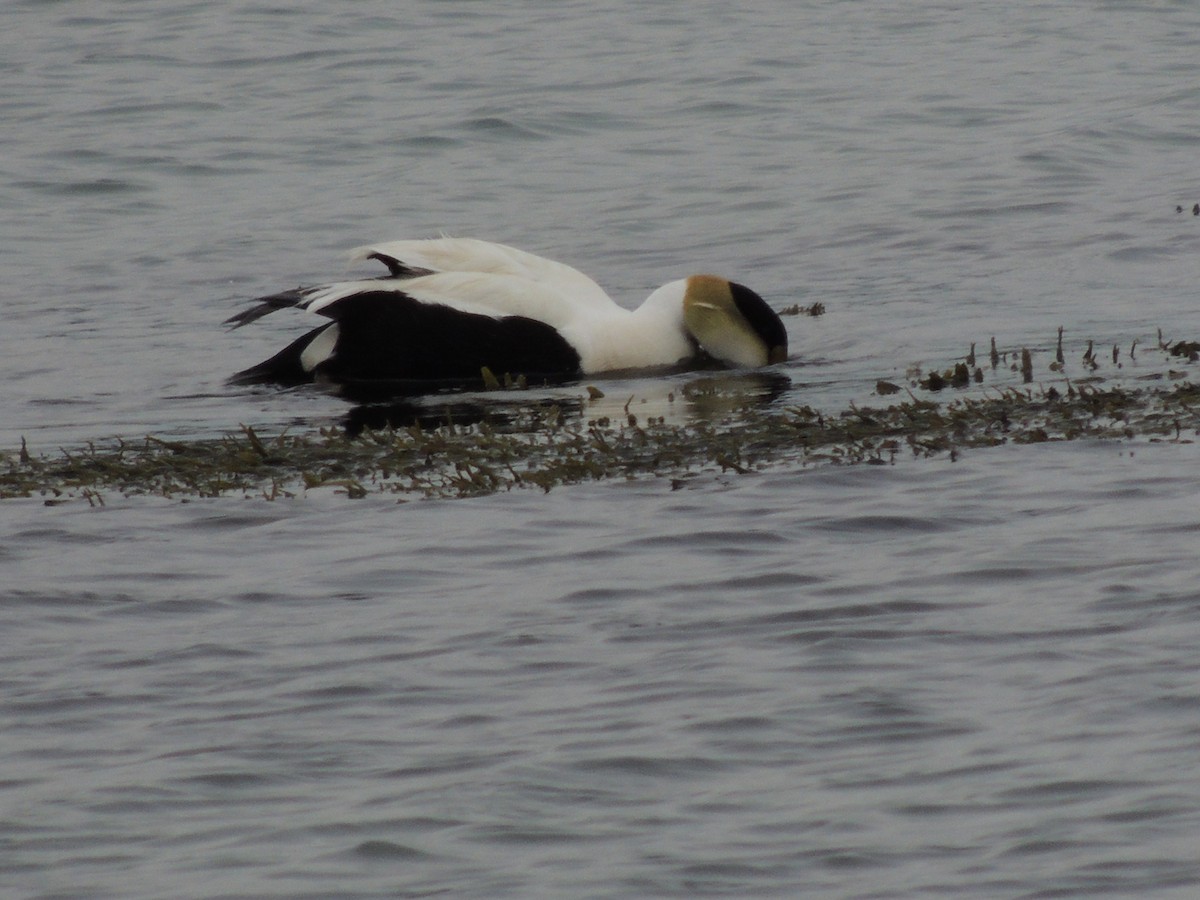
column 386, row 336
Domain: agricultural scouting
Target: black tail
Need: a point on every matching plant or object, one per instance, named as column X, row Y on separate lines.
column 282, row 368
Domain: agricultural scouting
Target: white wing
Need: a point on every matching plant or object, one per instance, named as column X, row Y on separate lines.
column 463, row 255
column 466, row 274
column 481, row 293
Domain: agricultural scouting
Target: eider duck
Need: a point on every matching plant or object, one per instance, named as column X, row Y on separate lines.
column 451, row 307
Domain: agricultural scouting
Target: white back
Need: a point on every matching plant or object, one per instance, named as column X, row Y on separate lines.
column 473, row 255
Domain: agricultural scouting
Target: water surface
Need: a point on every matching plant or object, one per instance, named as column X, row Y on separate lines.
column 960, row 678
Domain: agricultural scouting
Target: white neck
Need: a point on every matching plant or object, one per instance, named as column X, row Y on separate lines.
column 649, row 336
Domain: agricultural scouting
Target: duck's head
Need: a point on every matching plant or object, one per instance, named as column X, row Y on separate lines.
column 733, row 324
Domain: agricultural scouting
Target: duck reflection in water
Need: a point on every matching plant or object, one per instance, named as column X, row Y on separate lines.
column 705, row 397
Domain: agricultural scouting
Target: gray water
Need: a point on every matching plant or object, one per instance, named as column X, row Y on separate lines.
column 964, row 678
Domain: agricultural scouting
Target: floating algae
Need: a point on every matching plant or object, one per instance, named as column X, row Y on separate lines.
column 544, row 443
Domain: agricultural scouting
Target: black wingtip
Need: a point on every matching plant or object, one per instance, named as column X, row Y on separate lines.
column 397, row 268
column 265, row 305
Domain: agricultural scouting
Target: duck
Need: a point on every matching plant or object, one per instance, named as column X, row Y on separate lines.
column 450, row 308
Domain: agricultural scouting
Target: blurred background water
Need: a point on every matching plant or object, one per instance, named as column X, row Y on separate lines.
column 970, row 678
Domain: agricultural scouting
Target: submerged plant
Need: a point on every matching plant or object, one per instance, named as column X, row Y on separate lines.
column 544, row 445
